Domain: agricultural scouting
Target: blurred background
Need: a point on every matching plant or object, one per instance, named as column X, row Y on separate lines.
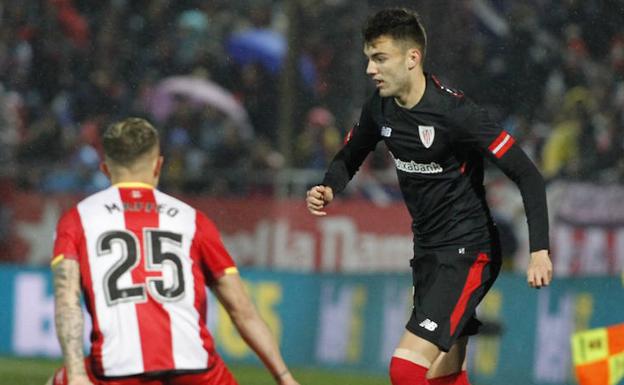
column 253, row 98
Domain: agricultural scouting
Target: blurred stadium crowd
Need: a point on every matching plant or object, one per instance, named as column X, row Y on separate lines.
column 551, row 72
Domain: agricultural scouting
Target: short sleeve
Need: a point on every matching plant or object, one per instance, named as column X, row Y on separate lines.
column 476, row 128
column 215, row 259
column 67, row 237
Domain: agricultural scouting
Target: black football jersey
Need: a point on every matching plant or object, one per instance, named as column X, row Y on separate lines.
column 438, row 147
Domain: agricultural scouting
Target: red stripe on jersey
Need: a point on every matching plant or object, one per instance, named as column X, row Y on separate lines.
column 498, row 141
column 473, row 281
column 87, row 287
column 505, row 147
column 456, row 93
column 349, row 135
column 154, row 321
column 215, row 258
column 201, row 303
column 501, row 144
column 68, row 235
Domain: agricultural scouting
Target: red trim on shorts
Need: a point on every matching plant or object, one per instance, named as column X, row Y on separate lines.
column 153, row 320
column 473, row 281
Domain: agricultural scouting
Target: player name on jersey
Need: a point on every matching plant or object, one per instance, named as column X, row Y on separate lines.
column 146, row 207
column 145, row 266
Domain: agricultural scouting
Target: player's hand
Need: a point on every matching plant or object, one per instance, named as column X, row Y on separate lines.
column 540, row 269
column 317, row 198
column 79, row 380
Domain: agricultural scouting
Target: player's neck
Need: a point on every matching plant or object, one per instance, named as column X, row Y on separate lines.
column 133, row 179
column 414, row 92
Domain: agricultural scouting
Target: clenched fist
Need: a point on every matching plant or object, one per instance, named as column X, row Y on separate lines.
column 317, row 198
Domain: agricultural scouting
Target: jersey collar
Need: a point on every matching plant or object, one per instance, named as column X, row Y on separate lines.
column 133, row 185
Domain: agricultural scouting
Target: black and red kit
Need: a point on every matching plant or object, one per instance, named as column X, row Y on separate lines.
column 438, row 147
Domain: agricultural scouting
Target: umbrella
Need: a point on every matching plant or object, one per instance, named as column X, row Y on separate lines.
column 200, row 92
column 268, row 48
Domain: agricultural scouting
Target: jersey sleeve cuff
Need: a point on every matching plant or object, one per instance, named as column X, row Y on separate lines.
column 331, row 183
column 56, row 260
column 538, row 247
column 227, row 271
column 61, row 257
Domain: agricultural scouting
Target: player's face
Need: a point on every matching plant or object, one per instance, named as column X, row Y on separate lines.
column 388, row 65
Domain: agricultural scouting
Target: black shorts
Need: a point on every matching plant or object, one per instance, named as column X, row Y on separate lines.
column 448, row 286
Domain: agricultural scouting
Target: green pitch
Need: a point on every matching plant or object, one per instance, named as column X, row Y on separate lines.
column 20, row 371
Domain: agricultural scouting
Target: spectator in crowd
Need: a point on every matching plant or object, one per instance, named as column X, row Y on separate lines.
column 318, row 141
column 57, row 71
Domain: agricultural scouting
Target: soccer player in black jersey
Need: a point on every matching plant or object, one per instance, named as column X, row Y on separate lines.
column 438, row 139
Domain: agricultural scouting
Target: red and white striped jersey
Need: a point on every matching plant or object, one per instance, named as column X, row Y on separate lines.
column 145, row 260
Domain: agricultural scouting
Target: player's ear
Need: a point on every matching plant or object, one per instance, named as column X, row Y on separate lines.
column 105, row 170
column 158, row 167
column 414, row 58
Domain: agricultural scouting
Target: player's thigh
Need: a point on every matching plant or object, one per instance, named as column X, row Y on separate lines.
column 453, row 361
column 416, row 349
column 447, row 289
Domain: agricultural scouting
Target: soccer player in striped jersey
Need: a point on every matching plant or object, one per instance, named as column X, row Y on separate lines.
column 438, row 139
column 142, row 260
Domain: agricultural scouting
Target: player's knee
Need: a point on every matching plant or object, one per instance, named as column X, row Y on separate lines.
column 404, row 372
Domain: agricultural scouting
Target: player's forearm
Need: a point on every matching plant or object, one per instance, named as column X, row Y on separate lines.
column 338, row 173
column 260, row 339
column 533, row 194
column 68, row 315
column 348, row 161
column 532, row 188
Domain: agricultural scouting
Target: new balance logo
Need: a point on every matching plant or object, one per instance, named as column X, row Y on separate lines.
column 429, row 325
column 386, row 131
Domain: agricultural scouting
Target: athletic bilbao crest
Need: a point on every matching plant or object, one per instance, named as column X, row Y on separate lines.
column 426, row 133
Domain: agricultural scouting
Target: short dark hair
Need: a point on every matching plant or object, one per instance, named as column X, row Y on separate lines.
column 127, row 140
column 398, row 23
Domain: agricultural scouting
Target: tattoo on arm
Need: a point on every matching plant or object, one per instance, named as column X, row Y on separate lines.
column 68, row 315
